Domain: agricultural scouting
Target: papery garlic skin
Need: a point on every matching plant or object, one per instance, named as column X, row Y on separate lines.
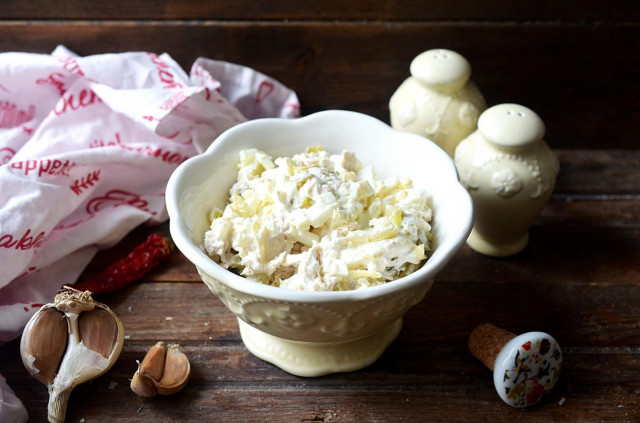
column 80, row 363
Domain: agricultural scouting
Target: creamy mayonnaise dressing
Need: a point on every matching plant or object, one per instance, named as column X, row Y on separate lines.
column 319, row 222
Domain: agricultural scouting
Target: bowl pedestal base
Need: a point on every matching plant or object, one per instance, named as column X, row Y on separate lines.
column 316, row 359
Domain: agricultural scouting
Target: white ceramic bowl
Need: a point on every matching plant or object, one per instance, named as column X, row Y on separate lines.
column 314, row 333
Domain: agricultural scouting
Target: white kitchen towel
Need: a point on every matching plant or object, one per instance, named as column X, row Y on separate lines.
column 11, row 408
column 87, row 145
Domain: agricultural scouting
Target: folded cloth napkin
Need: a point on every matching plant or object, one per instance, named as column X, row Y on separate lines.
column 87, row 145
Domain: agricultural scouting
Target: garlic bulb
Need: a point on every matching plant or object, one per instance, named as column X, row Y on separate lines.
column 69, row 342
column 164, row 370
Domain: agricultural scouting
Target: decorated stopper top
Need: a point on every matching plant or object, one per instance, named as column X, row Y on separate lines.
column 525, row 367
column 511, row 125
column 441, row 69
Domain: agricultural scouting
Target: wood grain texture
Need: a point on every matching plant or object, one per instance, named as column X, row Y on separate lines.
column 578, row 279
column 581, row 78
column 574, row 62
column 615, row 10
column 590, row 173
column 426, row 370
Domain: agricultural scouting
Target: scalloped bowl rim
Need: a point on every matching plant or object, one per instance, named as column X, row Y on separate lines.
column 189, row 176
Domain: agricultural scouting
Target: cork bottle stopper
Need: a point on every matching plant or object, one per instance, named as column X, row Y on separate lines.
column 525, row 367
column 486, row 342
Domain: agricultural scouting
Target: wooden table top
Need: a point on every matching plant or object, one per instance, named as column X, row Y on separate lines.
column 578, row 279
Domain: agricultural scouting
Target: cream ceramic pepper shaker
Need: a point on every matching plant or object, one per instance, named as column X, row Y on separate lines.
column 438, row 100
column 510, row 173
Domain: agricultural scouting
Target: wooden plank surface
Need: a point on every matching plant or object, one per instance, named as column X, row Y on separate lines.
column 578, row 279
column 580, row 77
column 575, row 63
column 425, row 10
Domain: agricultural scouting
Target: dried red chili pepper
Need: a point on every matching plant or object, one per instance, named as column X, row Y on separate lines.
column 153, row 251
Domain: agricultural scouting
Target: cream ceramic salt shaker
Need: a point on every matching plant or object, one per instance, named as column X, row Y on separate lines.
column 438, row 100
column 510, row 173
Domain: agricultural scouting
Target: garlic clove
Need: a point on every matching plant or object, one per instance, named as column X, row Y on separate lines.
column 43, row 344
column 176, row 371
column 149, row 371
column 99, row 331
column 153, row 363
column 165, row 370
column 143, row 385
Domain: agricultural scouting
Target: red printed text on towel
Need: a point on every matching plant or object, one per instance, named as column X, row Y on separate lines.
column 71, row 65
column 44, row 166
column 25, row 241
column 174, row 101
column 12, row 116
column 264, row 90
column 6, row 154
column 76, row 101
column 54, row 79
column 85, row 182
column 164, row 72
column 150, row 151
column 117, row 198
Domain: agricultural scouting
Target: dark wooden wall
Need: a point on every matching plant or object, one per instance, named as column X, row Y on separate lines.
column 574, row 62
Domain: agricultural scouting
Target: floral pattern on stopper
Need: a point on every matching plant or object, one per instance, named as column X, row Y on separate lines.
column 532, row 370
